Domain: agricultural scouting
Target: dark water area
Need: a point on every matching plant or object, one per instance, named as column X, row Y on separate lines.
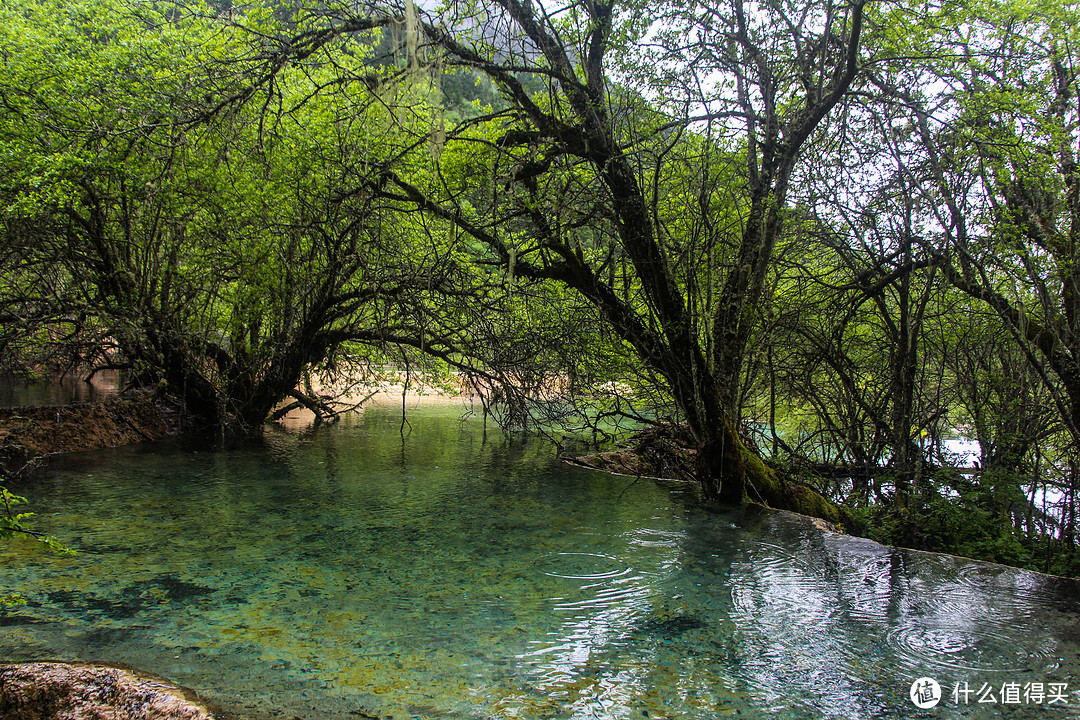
column 349, row 572
column 69, row 390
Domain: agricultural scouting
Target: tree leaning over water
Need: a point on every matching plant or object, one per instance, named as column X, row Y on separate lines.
column 152, row 223
column 822, row 217
column 583, row 176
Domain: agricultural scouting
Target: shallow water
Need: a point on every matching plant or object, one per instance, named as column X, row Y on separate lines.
column 348, row 573
column 17, row 392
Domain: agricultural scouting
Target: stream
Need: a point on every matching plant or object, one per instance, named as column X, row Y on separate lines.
column 353, row 571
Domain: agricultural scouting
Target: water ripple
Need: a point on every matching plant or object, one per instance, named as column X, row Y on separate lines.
column 654, row 538
column 623, row 594
column 583, row 566
column 1014, row 592
column 980, row 648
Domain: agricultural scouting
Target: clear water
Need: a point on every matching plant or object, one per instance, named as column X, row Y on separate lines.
column 346, row 573
column 17, row 392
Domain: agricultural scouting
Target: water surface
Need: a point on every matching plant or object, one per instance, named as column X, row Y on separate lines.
column 348, row 572
column 68, row 390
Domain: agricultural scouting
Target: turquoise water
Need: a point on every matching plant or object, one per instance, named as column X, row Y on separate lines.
column 346, row 572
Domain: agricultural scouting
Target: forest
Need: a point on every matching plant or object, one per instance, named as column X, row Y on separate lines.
column 826, row 246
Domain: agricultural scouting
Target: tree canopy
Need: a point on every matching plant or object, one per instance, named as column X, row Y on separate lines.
column 828, row 240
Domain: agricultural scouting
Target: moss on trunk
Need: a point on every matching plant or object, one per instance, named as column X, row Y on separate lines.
column 729, row 472
column 765, row 486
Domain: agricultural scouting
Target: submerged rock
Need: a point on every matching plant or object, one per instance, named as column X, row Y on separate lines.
column 77, row 691
column 671, row 627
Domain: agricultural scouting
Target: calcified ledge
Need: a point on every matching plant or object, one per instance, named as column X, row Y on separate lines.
column 82, row 691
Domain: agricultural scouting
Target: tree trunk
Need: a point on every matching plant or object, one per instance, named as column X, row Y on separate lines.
column 722, row 466
column 731, row 473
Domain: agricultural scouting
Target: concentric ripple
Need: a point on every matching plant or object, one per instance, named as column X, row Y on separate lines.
column 357, row 572
column 583, row 566
column 984, row 649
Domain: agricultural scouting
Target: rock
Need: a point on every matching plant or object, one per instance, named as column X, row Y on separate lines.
column 78, row 691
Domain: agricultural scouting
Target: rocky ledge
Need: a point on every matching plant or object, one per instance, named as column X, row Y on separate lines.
column 78, row 691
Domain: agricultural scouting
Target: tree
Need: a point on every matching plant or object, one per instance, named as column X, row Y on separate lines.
column 218, row 249
column 582, row 175
column 993, row 136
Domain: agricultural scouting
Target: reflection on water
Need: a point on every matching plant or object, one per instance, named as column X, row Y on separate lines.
column 16, row 392
column 347, row 572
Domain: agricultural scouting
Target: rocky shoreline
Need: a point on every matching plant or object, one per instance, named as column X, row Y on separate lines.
column 84, row 691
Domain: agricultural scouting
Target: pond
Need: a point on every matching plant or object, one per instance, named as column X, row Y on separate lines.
column 351, row 572
column 68, row 390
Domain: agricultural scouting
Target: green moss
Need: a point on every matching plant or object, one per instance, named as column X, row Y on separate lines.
column 765, row 486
